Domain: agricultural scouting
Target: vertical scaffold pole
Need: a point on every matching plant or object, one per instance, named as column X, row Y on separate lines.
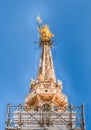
column 71, row 116
column 83, row 119
column 20, row 116
column 8, row 116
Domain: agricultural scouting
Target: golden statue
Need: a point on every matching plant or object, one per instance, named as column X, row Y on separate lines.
column 44, row 31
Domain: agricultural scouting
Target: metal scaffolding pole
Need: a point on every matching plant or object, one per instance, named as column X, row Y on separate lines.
column 83, row 119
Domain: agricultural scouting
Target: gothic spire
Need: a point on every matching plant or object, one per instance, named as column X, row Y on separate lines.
column 45, row 91
column 46, row 68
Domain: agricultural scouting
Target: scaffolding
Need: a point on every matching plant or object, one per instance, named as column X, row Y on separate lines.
column 45, row 118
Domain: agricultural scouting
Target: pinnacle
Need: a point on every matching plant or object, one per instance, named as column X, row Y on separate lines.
column 46, row 68
column 45, row 90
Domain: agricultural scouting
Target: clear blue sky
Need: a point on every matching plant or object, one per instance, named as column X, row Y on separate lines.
column 70, row 21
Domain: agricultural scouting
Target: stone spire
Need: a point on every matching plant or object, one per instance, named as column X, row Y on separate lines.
column 45, row 91
column 46, row 68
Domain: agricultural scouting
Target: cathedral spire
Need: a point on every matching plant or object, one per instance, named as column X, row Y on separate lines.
column 45, row 91
column 46, row 68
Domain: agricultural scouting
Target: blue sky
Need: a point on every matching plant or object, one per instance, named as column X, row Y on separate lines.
column 70, row 21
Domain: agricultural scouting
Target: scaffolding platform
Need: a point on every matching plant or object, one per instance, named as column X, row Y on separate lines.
column 45, row 118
